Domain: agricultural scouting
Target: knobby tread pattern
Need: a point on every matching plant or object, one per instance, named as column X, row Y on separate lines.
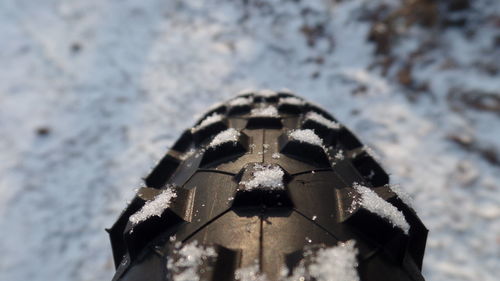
column 267, row 229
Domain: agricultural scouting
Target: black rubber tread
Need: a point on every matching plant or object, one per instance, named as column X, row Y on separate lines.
column 270, row 229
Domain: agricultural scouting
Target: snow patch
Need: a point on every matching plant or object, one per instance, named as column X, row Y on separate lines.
column 371, row 152
column 269, row 111
column 229, row 135
column 339, row 155
column 306, row 135
column 322, row 120
column 241, row 101
column 375, row 204
column 291, row 101
column 191, row 256
column 209, row 120
column 276, row 155
column 188, row 154
column 266, row 93
column 154, row 207
column 249, row 273
column 267, row 177
column 338, row 263
column 402, row 194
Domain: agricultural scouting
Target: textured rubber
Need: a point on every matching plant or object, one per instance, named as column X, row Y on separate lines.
column 271, row 230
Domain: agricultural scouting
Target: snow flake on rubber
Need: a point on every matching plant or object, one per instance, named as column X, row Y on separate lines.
column 249, row 273
column 339, row 155
column 375, row 204
column 229, row 135
column 371, row 152
column 154, row 207
column 320, row 119
column 265, row 177
column 291, row 101
column 191, row 256
column 241, row 101
column 209, row 120
column 306, row 135
column 266, row 93
column 269, row 111
column 188, row 154
column 338, row 263
column 402, row 194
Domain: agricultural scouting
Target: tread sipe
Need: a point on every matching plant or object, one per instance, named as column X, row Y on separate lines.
column 268, row 187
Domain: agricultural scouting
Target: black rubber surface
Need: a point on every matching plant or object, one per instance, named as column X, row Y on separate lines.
column 270, row 229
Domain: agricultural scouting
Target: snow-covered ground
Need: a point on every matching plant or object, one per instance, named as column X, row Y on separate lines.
column 93, row 92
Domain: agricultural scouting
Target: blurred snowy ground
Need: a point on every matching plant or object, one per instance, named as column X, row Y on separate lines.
column 93, row 92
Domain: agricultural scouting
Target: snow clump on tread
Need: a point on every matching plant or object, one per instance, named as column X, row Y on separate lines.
column 266, row 93
column 339, row 155
column 154, row 207
column 306, row 135
column 269, row 111
column 267, row 177
column 338, row 263
column 375, row 204
column 291, row 100
column 403, row 195
column 229, row 135
column 320, row 119
column 191, row 256
column 209, row 120
column 241, row 101
column 188, row 154
column 249, row 273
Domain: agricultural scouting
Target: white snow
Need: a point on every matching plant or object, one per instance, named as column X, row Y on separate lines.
column 337, row 263
column 291, row 101
column 188, row 154
column 320, row 119
column 339, row 155
column 229, row 135
column 375, row 204
column 276, row 155
column 154, row 207
column 209, row 120
column 249, row 273
column 241, row 101
column 371, row 152
column 402, row 194
column 191, row 256
column 266, row 93
column 268, row 111
column 306, row 135
column 266, row 177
